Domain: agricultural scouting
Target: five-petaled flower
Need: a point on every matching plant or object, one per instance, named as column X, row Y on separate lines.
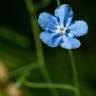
column 61, row 29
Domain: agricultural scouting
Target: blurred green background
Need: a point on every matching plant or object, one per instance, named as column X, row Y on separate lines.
column 17, row 47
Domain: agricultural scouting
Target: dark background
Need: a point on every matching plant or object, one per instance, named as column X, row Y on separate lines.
column 17, row 46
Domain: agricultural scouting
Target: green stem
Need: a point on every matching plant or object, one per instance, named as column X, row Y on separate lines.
column 38, row 45
column 50, row 85
column 73, row 66
column 75, row 75
column 19, row 71
column 40, row 54
column 26, row 72
column 58, row 2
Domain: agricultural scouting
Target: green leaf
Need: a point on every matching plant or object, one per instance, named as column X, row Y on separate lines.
column 14, row 37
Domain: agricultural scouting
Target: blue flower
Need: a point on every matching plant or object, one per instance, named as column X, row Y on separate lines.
column 61, row 29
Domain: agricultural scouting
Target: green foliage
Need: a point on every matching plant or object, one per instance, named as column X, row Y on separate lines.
column 40, row 74
column 14, row 37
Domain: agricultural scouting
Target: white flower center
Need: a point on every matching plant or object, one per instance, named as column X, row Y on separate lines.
column 61, row 29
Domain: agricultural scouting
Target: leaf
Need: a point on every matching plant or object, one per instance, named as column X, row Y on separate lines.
column 14, row 37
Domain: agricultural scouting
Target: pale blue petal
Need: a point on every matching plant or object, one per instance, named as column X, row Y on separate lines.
column 78, row 28
column 47, row 21
column 50, row 39
column 65, row 14
column 69, row 42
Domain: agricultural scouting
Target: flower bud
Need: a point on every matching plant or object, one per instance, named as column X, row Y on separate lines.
column 3, row 75
column 12, row 90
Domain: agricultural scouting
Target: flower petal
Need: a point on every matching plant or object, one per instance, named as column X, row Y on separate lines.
column 50, row 39
column 78, row 28
column 69, row 42
column 47, row 21
column 65, row 14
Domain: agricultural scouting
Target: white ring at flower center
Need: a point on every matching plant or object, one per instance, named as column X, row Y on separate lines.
column 61, row 29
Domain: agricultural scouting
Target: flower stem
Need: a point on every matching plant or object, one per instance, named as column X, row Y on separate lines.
column 50, row 85
column 58, row 2
column 73, row 66
column 74, row 72
column 40, row 56
column 26, row 71
column 26, row 67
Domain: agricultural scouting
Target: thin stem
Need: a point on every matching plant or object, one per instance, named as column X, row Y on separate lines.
column 73, row 66
column 38, row 45
column 25, row 72
column 40, row 56
column 58, row 2
column 50, row 85
column 74, row 72
column 19, row 71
